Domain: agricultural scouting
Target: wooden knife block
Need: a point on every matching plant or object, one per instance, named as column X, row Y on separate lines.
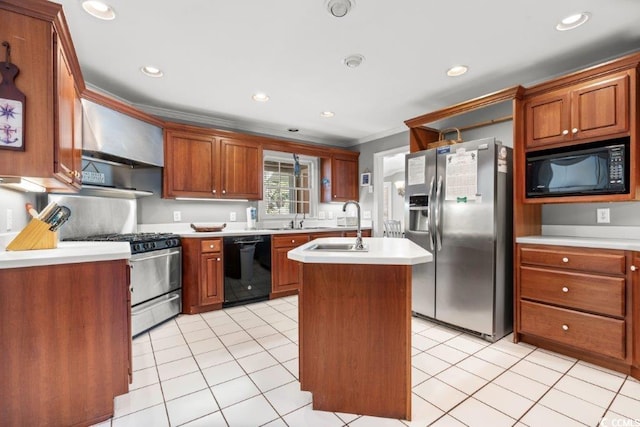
column 36, row 235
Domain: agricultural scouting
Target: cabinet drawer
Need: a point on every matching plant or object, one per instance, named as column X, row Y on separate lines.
column 604, row 295
column 599, row 334
column 211, row 245
column 583, row 259
column 289, row 240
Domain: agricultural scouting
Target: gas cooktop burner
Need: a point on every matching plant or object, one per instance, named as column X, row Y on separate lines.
column 140, row 242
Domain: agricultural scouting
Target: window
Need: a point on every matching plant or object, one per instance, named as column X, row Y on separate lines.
column 288, row 188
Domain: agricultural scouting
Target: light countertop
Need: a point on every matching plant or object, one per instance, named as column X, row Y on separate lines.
column 382, row 250
column 584, row 242
column 239, row 229
column 66, row 253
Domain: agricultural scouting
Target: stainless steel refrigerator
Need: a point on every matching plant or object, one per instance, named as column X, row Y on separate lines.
column 458, row 203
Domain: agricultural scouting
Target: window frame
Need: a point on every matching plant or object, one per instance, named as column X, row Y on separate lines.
column 314, row 197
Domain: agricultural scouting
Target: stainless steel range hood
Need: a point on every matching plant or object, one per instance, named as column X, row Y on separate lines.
column 110, row 135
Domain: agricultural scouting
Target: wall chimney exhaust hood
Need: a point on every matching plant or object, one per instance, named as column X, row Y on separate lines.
column 110, row 135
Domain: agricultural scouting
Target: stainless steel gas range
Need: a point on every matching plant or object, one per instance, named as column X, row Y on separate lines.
column 156, row 276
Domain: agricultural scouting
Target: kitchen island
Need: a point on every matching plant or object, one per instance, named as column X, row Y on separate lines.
column 65, row 328
column 355, row 325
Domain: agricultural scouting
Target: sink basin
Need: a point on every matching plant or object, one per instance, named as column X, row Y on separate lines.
column 315, row 228
column 337, row 247
column 278, row 228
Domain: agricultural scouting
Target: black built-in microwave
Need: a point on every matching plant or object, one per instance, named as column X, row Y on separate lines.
column 600, row 168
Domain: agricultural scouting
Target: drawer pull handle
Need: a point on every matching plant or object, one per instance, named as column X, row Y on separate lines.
column 565, row 327
column 565, row 289
column 565, row 259
column 634, row 268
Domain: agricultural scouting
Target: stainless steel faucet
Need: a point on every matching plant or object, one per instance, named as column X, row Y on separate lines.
column 359, row 244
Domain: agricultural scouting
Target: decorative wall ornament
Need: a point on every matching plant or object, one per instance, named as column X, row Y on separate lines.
column 12, row 103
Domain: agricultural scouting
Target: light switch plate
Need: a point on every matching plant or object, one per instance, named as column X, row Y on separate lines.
column 177, row 216
column 366, row 214
column 603, row 216
column 321, row 215
column 9, row 219
column 232, row 216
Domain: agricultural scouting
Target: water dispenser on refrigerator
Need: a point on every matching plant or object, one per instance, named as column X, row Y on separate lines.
column 419, row 213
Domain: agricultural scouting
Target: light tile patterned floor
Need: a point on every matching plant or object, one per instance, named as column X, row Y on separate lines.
column 239, row 367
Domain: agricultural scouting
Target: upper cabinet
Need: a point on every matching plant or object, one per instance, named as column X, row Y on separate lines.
column 582, row 112
column 339, row 181
column 201, row 163
column 51, row 81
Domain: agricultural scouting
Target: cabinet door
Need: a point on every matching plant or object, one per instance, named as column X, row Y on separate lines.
column 241, row 166
column 344, row 172
column 212, row 280
column 601, row 108
column 286, row 273
column 68, row 149
column 547, row 119
column 189, row 165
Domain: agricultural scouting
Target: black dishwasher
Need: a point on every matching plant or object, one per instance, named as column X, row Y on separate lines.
column 247, row 269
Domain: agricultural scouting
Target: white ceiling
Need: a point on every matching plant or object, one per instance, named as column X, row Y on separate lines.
column 215, row 54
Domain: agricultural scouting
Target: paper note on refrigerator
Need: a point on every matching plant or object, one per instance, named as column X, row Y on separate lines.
column 415, row 170
column 461, row 181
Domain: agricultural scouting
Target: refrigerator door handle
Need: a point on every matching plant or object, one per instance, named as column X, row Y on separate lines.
column 430, row 224
column 438, row 219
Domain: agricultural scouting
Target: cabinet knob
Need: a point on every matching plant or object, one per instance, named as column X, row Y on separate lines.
column 633, row 268
column 224, row 191
column 574, row 130
column 211, row 246
column 293, row 240
column 565, row 259
column 565, row 132
column 214, row 191
column 565, row 289
column 217, row 259
column 565, row 327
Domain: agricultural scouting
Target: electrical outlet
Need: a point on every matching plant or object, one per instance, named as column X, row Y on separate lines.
column 366, row 214
column 177, row 216
column 322, row 215
column 330, row 215
column 602, row 216
column 232, row 216
column 9, row 219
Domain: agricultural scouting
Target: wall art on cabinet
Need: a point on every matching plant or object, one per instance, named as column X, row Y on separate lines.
column 11, row 106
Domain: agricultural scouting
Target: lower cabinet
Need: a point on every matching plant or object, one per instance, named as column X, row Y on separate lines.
column 286, row 274
column 202, row 275
column 66, row 343
column 577, row 301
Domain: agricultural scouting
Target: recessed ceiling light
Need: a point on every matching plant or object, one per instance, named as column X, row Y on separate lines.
column 327, row 114
column 99, row 10
column 573, row 21
column 353, row 61
column 293, row 129
column 152, row 71
column 339, row 8
column 457, row 70
column 260, row 97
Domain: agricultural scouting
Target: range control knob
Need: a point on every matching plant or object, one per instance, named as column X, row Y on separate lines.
column 137, row 247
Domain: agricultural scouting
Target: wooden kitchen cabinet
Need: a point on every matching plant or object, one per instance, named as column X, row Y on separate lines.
column 202, row 275
column 66, row 343
column 575, row 301
column 201, row 163
column 583, row 112
column 339, row 181
column 286, row 274
column 51, row 80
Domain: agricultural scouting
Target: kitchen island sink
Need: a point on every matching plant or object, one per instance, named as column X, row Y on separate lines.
column 337, row 247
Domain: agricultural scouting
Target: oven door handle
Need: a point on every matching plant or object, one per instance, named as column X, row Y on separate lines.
column 155, row 256
column 144, row 310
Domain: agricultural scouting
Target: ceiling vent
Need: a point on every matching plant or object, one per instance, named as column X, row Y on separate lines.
column 339, row 8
